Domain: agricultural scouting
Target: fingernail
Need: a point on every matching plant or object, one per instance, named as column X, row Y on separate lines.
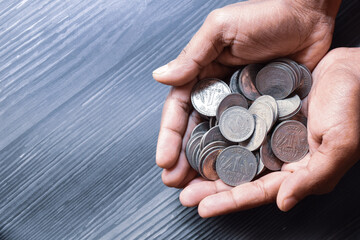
column 161, row 70
column 289, row 203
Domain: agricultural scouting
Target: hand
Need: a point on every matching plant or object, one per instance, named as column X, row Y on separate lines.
column 237, row 34
column 334, row 143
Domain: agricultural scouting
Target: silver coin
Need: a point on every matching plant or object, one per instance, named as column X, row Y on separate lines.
column 294, row 66
column 261, row 167
column 214, row 134
column 190, row 148
column 270, row 100
column 200, row 128
column 263, row 111
column 233, row 99
column 195, row 157
column 212, row 122
column 207, row 94
column 236, row 124
column 257, row 137
column 289, row 107
column 236, row 165
column 214, row 144
column 306, row 82
column 275, row 80
column 234, row 82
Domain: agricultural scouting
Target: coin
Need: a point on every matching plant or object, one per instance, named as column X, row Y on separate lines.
column 263, row 111
column 247, row 81
column 212, row 135
column 275, row 80
column 234, row 82
column 212, row 122
column 203, row 154
column 294, row 66
column 200, row 128
column 190, row 149
column 208, row 165
column 207, row 94
column 214, row 144
column 305, row 83
column 236, row 165
column 257, row 137
column 289, row 141
column 267, row 156
column 195, row 157
column 272, row 102
column 234, row 99
column 236, row 124
column 289, row 107
column 261, row 167
column 299, row 117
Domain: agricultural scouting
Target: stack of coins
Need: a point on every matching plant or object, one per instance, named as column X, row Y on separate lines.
column 252, row 124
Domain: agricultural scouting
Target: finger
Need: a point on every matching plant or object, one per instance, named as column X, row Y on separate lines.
column 181, row 172
column 203, row 48
column 173, row 125
column 178, row 177
column 194, row 193
column 196, row 180
column 245, row 196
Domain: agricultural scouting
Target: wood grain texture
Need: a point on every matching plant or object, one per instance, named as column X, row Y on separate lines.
column 79, row 118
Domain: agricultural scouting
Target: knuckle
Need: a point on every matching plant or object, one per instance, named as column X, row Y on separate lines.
column 217, row 18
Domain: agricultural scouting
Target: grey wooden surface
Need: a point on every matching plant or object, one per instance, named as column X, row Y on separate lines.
column 79, row 117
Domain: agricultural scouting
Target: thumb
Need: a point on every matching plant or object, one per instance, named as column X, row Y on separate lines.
column 204, row 47
column 318, row 177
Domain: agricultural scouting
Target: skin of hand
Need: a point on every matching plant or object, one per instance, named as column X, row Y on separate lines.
column 242, row 33
column 334, row 144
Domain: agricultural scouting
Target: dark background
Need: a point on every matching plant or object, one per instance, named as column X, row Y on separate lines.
column 79, row 118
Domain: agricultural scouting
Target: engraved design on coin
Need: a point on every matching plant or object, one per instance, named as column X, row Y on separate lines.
column 236, row 165
column 236, row 124
column 207, row 94
column 289, row 141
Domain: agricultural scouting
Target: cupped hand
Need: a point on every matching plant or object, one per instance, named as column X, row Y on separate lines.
column 334, row 143
column 238, row 34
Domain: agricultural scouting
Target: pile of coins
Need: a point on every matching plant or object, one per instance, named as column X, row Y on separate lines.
column 252, row 124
